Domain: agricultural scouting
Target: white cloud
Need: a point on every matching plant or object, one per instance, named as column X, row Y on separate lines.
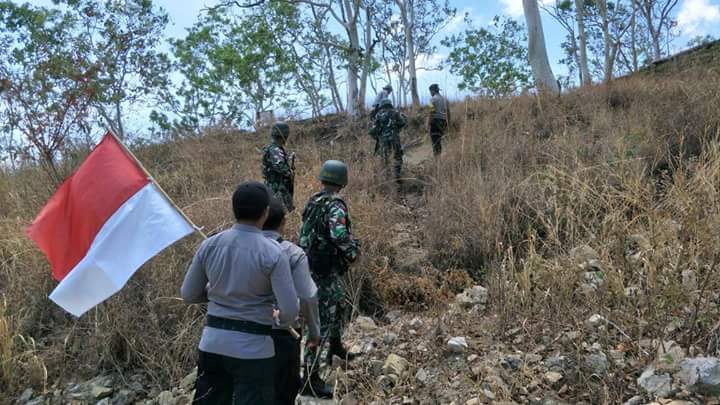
column 514, row 8
column 696, row 17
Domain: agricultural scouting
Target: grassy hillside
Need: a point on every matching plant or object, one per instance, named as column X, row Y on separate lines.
column 602, row 201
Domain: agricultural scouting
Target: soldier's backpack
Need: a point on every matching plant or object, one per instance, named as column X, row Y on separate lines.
column 323, row 256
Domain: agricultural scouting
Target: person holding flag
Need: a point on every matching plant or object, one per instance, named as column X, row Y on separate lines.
column 241, row 274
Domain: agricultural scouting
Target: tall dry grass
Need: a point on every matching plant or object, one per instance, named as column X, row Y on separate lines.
column 520, row 185
column 631, row 171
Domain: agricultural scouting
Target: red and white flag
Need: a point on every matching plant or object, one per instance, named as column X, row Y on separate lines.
column 101, row 225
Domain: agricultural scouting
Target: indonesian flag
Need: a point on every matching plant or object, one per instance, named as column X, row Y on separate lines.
column 101, row 225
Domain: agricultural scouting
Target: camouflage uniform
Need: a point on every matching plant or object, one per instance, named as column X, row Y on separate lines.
column 386, row 129
column 277, row 169
column 326, row 236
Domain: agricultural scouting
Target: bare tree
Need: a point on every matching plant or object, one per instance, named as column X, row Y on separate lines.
column 585, row 77
column 658, row 19
column 544, row 77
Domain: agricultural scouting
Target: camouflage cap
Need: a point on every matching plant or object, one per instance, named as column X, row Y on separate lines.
column 434, row 88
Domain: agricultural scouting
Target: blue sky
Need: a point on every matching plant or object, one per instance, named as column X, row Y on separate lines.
column 695, row 17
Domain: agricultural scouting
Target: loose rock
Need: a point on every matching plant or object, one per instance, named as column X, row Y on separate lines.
column 655, row 385
column 457, row 344
column 472, row 297
column 701, row 375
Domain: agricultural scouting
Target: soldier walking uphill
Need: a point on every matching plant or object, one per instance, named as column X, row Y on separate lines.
column 386, row 132
column 326, row 236
column 438, row 119
column 278, row 166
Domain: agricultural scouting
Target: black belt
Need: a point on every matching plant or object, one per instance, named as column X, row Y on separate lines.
column 238, row 325
column 284, row 332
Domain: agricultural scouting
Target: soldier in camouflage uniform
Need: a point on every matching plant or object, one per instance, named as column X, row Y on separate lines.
column 278, row 166
column 386, row 130
column 326, row 236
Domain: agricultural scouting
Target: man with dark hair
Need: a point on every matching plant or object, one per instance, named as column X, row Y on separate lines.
column 243, row 276
column 439, row 118
column 287, row 347
column 326, row 236
column 278, row 166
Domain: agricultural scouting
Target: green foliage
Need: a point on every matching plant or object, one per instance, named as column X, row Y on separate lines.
column 47, row 82
column 124, row 37
column 491, row 60
column 231, row 64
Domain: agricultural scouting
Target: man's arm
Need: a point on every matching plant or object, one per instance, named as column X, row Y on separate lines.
column 280, row 162
column 193, row 290
column 284, row 290
column 447, row 111
column 306, row 291
column 340, row 235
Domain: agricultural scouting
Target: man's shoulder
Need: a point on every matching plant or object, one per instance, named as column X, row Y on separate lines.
column 292, row 250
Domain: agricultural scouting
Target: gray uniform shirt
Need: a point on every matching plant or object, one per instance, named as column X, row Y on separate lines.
column 439, row 106
column 383, row 95
column 304, row 285
column 242, row 275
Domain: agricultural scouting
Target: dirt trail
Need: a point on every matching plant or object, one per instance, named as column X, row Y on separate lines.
column 417, row 154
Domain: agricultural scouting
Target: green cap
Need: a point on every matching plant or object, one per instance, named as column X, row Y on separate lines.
column 334, row 172
column 280, row 130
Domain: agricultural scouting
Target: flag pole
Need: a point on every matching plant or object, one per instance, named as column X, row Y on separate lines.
column 152, row 179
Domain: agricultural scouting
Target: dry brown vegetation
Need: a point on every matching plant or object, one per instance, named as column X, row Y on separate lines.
column 631, row 170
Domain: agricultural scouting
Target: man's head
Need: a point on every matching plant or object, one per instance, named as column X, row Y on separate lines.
column 386, row 104
column 280, row 132
column 387, row 89
column 250, row 203
column 334, row 174
column 276, row 216
column 434, row 89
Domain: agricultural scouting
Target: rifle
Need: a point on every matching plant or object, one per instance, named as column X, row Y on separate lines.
column 292, row 177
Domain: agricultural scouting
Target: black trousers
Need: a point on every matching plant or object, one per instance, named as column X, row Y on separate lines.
column 226, row 380
column 287, row 369
column 438, row 127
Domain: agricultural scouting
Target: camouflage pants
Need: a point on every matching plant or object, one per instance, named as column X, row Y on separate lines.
column 282, row 191
column 392, row 147
column 332, row 316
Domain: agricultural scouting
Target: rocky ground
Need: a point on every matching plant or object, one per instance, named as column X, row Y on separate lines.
column 449, row 357
column 453, row 354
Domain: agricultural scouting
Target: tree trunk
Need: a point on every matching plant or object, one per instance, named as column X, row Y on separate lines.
column 584, row 69
column 607, row 41
column 354, row 59
column 647, row 9
column 367, row 58
column 544, row 77
column 633, row 36
column 407, row 12
column 337, row 101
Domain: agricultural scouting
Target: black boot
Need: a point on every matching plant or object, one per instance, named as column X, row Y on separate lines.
column 316, row 387
column 337, row 349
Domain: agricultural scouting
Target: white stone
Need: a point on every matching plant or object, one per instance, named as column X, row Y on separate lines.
column 365, row 323
column 655, row 385
column 457, row 344
column 552, row 377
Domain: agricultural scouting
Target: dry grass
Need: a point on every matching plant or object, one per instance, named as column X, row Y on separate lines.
column 521, row 185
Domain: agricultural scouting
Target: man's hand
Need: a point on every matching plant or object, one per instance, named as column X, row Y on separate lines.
column 276, row 316
column 312, row 344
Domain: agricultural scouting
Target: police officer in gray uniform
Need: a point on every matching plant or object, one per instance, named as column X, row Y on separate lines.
column 287, row 347
column 245, row 278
